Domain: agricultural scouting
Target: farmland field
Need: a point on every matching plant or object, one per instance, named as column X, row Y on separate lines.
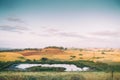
column 58, row 76
column 96, row 55
column 59, row 39
column 104, row 64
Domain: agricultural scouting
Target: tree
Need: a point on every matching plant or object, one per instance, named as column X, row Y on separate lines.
column 44, row 59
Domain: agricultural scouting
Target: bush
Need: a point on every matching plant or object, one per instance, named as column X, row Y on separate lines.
column 102, row 52
column 44, row 59
column 39, row 68
column 72, row 57
column 28, row 61
column 62, row 48
column 75, row 77
column 21, row 57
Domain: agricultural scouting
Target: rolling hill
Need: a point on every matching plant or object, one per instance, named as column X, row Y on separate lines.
column 96, row 55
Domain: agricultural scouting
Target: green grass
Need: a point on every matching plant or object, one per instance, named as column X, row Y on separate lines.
column 58, row 76
column 101, row 71
column 98, row 66
column 50, row 69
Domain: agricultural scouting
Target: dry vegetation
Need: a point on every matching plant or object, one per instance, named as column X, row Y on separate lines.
column 58, row 76
column 96, row 55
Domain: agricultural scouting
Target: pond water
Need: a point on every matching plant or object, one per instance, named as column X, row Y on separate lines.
column 68, row 67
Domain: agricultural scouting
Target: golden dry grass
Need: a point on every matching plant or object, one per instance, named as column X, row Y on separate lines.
column 57, row 54
column 10, row 56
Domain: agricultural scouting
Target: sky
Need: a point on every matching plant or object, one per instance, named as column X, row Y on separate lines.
column 67, row 23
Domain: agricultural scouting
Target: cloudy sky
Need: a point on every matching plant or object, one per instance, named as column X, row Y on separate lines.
column 67, row 23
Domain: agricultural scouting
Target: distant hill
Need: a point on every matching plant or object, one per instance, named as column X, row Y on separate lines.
column 47, row 51
column 58, row 53
column 5, row 48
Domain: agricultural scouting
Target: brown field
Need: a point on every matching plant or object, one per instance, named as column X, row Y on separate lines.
column 96, row 55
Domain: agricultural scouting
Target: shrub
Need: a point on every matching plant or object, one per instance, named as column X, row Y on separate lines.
column 28, row 60
column 102, row 52
column 21, row 57
column 39, row 68
column 62, row 48
column 72, row 57
column 44, row 59
column 75, row 77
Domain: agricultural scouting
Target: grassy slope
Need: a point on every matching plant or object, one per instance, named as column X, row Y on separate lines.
column 111, row 56
column 58, row 76
column 55, row 54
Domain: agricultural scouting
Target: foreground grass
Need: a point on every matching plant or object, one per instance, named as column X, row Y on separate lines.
column 58, row 76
